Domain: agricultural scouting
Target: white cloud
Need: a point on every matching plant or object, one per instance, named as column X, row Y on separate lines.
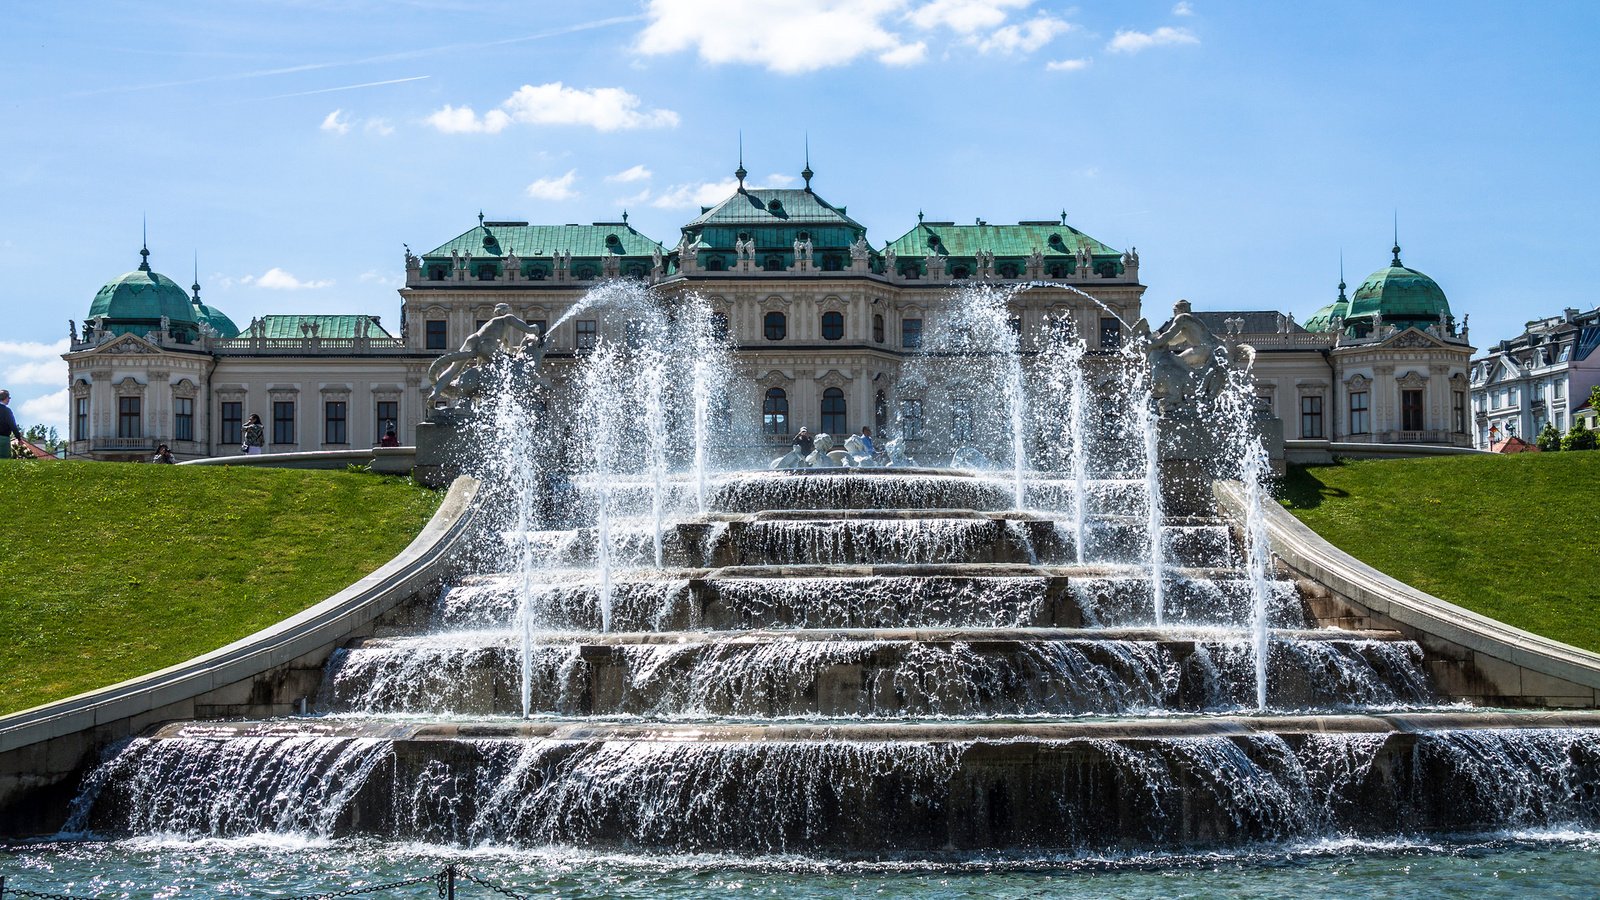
column 555, row 188
column 1182, row 8
column 629, row 175
column 1068, row 65
column 336, row 122
column 1025, row 37
column 462, row 120
column 905, row 55
column 373, row 276
column 380, row 127
column 49, row 410
column 1134, row 41
column 964, row 16
column 32, row 362
column 707, row 193
column 276, row 279
column 604, row 109
column 780, row 35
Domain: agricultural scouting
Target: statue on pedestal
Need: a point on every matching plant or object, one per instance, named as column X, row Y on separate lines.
column 454, row 378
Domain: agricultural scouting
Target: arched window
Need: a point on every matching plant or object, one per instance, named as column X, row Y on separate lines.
column 832, row 263
column 877, row 328
column 1008, row 270
column 1058, row 271
column 775, row 326
column 486, row 272
column 636, row 271
column 833, row 411
column 586, row 273
column 537, row 273
column 958, row 272
column 832, row 326
column 775, row 412
column 773, row 264
column 436, row 273
column 714, row 264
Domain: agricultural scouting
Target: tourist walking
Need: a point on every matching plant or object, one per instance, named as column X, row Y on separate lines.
column 163, row 455
column 255, row 435
column 803, row 443
column 8, row 426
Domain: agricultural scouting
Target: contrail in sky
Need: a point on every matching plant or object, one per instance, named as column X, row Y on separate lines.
column 386, row 57
column 347, row 87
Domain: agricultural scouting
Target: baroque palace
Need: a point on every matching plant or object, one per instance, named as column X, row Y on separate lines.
column 821, row 318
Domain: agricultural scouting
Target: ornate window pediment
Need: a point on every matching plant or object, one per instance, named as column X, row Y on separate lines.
column 833, row 378
column 775, row 302
column 833, row 303
column 1412, row 380
column 81, row 388
column 129, row 386
column 185, row 388
column 775, row 378
column 1458, row 381
column 1357, row 382
column 1412, row 338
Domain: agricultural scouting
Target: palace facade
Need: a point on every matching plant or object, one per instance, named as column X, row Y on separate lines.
column 821, row 318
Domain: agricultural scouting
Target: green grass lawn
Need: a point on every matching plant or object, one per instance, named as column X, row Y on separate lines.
column 112, row 570
column 1516, row 538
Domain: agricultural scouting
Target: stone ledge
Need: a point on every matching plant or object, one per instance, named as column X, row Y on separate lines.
column 263, row 673
column 1475, row 658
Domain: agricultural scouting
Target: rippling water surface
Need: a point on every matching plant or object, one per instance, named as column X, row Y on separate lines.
column 1523, row 865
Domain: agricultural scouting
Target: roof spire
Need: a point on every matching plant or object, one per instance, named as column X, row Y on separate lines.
column 806, row 173
column 1063, row 217
column 919, row 217
column 1341, row 274
column 480, row 216
column 740, row 172
column 196, row 286
column 144, row 242
column 1396, row 262
column 624, row 217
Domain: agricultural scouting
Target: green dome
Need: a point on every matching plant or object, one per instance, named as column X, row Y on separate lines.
column 217, row 319
column 1322, row 319
column 1402, row 296
column 142, row 297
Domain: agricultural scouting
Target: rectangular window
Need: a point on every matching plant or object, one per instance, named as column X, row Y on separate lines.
column 1360, row 413
column 1110, row 333
column 388, row 417
column 436, row 335
column 283, row 422
column 335, row 416
column 232, row 423
column 1311, row 416
column 911, row 419
column 1561, row 390
column 128, row 419
column 1459, row 408
column 911, row 333
column 183, row 418
column 960, row 420
column 81, row 424
column 1411, row 411
column 587, row 330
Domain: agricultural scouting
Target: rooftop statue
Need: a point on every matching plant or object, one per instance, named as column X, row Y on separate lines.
column 1188, row 364
column 454, row 378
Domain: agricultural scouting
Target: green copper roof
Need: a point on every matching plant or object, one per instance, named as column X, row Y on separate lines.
column 330, row 326
column 1051, row 239
column 774, row 206
column 1322, row 319
column 535, row 241
column 1401, row 294
column 144, row 296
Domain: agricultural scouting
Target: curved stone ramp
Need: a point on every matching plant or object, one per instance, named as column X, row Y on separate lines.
column 922, row 789
column 1471, row 657
column 45, row 750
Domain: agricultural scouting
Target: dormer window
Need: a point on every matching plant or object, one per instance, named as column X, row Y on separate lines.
column 773, row 263
column 774, row 205
column 715, row 264
column 1008, row 270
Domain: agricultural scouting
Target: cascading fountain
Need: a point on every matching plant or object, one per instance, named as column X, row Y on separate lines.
column 868, row 663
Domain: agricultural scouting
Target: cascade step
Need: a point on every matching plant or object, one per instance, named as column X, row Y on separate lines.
column 872, row 674
column 918, row 789
column 932, row 596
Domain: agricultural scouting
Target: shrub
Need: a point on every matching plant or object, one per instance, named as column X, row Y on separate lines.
column 1549, row 439
column 1579, row 438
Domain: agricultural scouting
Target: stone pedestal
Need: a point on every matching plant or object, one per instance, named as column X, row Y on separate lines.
column 1191, row 451
column 442, row 445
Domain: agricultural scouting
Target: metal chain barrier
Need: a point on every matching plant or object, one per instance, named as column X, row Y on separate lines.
column 437, row 880
column 493, row 887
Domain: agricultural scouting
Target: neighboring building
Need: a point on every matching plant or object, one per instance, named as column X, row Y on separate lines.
column 1388, row 365
column 821, row 320
column 1541, row 376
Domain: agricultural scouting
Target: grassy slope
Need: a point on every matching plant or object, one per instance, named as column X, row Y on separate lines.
column 111, row 570
column 1516, row 538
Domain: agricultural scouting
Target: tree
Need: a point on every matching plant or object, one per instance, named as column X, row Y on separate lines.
column 48, row 438
column 1579, row 438
column 1594, row 398
column 1549, row 439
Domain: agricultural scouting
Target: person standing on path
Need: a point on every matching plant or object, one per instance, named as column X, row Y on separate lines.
column 8, row 425
column 255, row 435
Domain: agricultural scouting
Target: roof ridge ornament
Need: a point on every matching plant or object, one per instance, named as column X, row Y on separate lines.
column 1396, row 263
column 196, row 286
column 1341, row 274
column 144, row 244
column 806, row 173
column 740, row 172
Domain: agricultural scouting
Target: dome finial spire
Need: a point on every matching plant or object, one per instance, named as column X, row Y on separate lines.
column 806, row 173
column 1396, row 262
column 196, row 286
column 740, row 172
column 1341, row 274
column 144, row 244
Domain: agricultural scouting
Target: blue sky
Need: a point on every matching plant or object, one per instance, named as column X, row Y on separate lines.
column 295, row 145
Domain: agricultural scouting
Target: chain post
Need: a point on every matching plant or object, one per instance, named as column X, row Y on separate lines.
column 2, row 887
column 450, row 882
